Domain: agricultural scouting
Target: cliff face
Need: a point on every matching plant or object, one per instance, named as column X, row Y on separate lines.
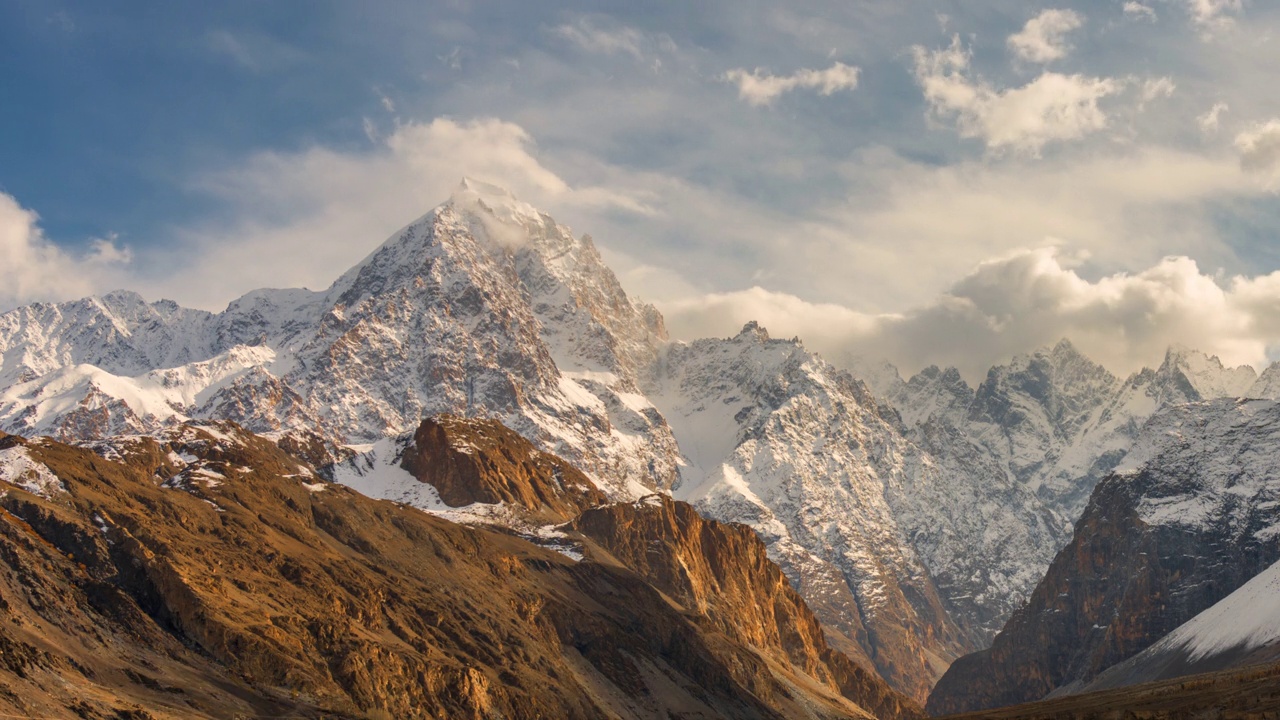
column 209, row 573
column 722, row 572
column 482, row 461
column 1187, row 519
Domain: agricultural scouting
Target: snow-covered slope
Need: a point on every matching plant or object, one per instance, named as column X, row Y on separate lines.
column 889, row 546
column 474, row 308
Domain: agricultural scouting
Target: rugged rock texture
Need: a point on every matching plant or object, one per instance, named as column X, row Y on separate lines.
column 471, row 461
column 779, row 440
column 301, row 597
column 1021, row 454
column 1241, row 629
column 1190, row 516
column 722, row 572
column 1245, row 694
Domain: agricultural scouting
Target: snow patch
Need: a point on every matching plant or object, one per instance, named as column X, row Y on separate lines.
column 17, row 467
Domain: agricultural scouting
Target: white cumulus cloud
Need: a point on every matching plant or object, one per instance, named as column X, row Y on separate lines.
column 1051, row 108
column 1044, row 38
column 33, row 268
column 758, row 87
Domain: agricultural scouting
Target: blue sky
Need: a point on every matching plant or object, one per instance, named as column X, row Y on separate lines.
column 947, row 182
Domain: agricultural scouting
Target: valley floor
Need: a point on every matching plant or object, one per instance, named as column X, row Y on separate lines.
column 1251, row 693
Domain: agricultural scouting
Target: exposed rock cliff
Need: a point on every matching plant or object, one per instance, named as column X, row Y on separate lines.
column 1191, row 515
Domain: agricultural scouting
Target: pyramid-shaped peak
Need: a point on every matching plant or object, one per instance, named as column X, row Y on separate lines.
column 486, row 200
column 484, row 189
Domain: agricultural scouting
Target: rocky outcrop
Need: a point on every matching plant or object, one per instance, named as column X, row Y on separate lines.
column 1188, row 518
column 722, row 572
column 221, row 577
column 482, row 461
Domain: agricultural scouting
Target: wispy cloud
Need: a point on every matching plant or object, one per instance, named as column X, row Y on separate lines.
column 758, row 87
column 1138, row 11
column 253, row 51
column 1259, row 148
column 606, row 41
column 1212, row 119
column 1212, row 16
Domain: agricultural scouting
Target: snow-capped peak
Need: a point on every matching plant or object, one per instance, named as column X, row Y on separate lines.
column 503, row 217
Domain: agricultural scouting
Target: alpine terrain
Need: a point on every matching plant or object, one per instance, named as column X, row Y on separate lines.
column 485, row 366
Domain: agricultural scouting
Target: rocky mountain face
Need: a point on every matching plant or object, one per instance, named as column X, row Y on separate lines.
column 1241, row 630
column 1054, row 421
column 778, row 440
column 207, row 573
column 723, row 573
column 1188, row 517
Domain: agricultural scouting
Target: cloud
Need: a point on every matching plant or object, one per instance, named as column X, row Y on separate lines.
column 1016, row 304
column 1051, row 108
column 593, row 39
column 1212, row 16
column 760, row 88
column 301, row 219
column 1259, row 149
column 1138, row 11
column 1154, row 88
column 1211, row 120
column 253, row 51
column 1043, row 39
column 33, row 268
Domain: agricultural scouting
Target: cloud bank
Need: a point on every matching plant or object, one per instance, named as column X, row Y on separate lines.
column 1011, row 305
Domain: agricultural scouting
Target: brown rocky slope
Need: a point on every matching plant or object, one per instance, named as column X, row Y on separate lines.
column 471, row 460
column 212, row 575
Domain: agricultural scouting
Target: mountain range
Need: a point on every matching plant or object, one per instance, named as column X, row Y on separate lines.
column 920, row 519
